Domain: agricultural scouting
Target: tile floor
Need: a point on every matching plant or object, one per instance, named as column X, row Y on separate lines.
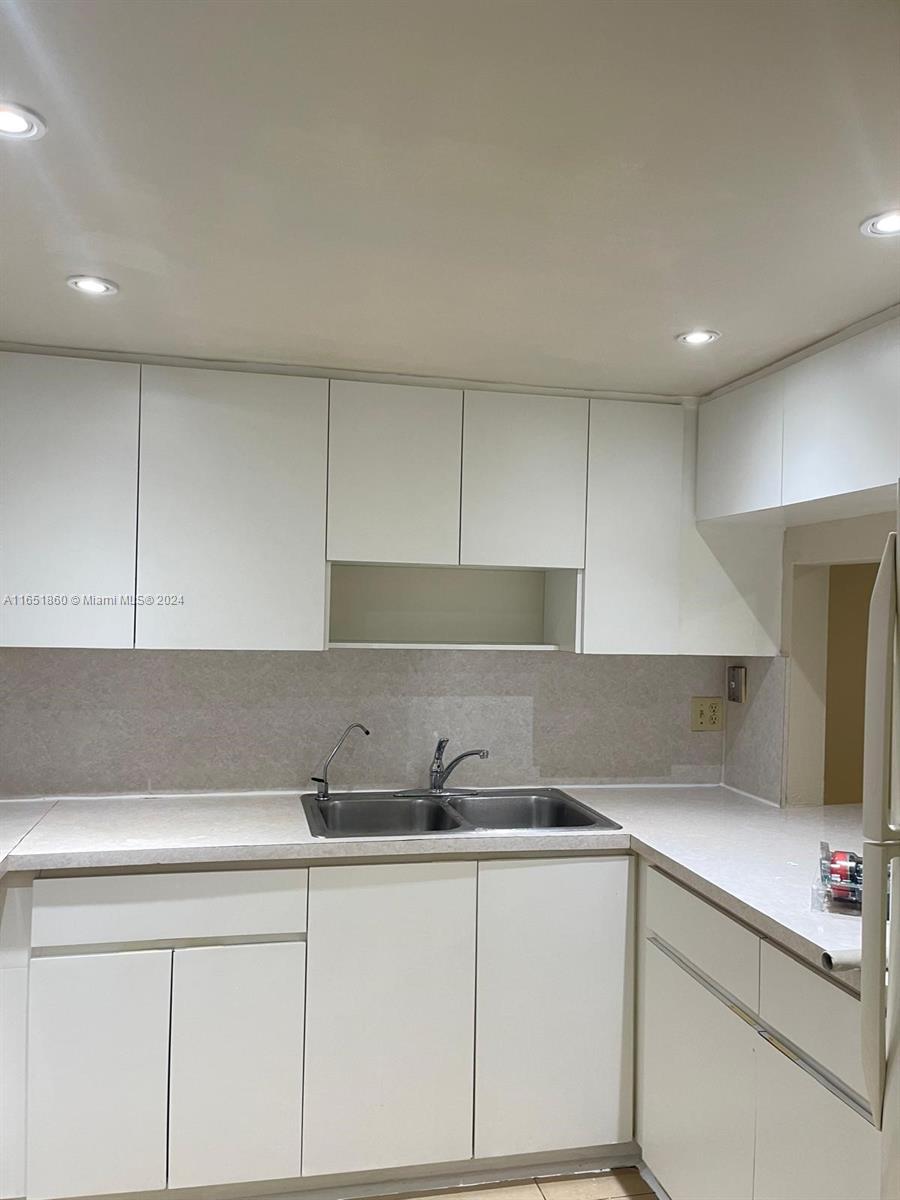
column 608, row 1185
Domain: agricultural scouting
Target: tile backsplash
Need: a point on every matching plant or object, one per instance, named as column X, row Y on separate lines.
column 755, row 731
column 111, row 721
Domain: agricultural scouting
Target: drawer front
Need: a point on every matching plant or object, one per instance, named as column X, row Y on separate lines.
column 820, row 1018
column 719, row 947
column 95, row 910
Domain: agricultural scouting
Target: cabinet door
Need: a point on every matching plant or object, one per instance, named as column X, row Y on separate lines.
column 237, row 1063
column 808, row 1141
column 632, row 581
column 98, row 1067
column 232, row 510
column 13, row 1077
column 524, row 480
column 553, row 1060
column 393, row 473
column 68, row 500
column 389, row 1016
column 697, row 1087
column 739, row 449
column 842, row 417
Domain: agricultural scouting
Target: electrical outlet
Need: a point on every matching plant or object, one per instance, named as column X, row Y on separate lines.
column 707, row 713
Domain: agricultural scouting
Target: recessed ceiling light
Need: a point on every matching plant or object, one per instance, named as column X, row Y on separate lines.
column 92, row 285
column 886, row 224
column 16, row 121
column 698, row 337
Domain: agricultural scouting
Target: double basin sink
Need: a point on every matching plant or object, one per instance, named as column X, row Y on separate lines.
column 398, row 814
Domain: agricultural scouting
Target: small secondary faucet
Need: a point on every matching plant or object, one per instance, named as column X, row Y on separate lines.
column 321, row 781
column 440, row 773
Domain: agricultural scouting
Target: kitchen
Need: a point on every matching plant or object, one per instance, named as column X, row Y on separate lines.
column 448, row 596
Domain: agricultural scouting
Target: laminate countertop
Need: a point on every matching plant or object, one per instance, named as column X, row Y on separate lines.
column 18, row 817
column 754, row 860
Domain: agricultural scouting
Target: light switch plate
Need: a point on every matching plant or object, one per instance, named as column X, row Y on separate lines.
column 737, row 683
column 707, row 714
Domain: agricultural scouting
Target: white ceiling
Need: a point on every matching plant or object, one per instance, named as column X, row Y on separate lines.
column 526, row 191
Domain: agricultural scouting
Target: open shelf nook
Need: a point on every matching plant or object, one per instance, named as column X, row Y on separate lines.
column 463, row 607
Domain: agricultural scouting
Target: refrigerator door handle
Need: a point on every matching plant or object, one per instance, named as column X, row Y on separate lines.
column 877, row 826
column 876, row 990
column 873, row 989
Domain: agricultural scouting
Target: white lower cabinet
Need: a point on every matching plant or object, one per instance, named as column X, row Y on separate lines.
column 200, row 1047
column 178, row 1067
column 698, row 1087
column 236, row 1063
column 733, row 1103
column 98, row 1050
column 389, row 1016
column 213, row 1065
column 553, row 1060
column 206, row 1066
column 814, row 1014
column 808, row 1141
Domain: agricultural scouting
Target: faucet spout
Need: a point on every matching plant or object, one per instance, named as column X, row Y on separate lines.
column 440, row 772
column 321, row 781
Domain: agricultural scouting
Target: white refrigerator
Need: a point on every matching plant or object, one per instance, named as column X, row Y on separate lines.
column 881, row 848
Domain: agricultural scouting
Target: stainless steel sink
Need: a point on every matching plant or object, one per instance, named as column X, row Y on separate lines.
column 387, row 814
column 544, row 808
column 362, row 814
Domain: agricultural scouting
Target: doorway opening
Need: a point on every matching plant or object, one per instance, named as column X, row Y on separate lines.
column 849, row 592
column 826, row 710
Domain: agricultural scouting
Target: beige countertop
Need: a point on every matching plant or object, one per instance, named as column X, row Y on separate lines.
column 756, row 861
column 18, row 817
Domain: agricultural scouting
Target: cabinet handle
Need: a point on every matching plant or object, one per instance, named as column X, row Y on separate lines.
column 818, row 1073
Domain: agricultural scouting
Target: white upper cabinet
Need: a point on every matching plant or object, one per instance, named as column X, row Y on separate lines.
column 68, row 496
column 739, row 450
column 632, row 564
column 231, row 537
column 524, row 480
column 393, row 473
column 842, row 417
column 825, row 426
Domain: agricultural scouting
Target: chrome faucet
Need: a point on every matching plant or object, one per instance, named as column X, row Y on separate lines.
column 321, row 781
column 439, row 773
